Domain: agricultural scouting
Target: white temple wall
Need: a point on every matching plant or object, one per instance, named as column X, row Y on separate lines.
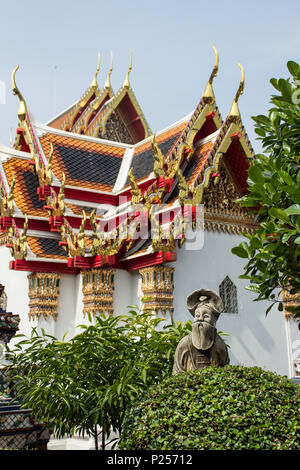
column 66, row 307
column 137, row 292
column 127, row 290
column 123, row 291
column 254, row 339
column 79, row 319
column 293, row 333
column 16, row 288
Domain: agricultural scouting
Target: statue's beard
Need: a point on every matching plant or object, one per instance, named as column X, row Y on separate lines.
column 203, row 335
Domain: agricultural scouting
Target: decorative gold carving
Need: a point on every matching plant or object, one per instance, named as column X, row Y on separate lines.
column 188, row 196
column 75, row 242
column 158, row 287
column 7, row 202
column 45, row 174
column 126, row 83
column 164, row 241
column 289, row 300
column 94, row 83
column 72, row 117
column 22, row 111
column 98, row 290
column 208, row 95
column 19, row 242
column 167, row 238
column 110, row 244
column 115, row 129
column 112, row 106
column 48, row 171
column 222, row 213
column 57, row 201
column 4, row 238
column 136, row 193
column 234, row 114
column 159, row 159
column 184, row 189
column 107, row 83
column 43, row 295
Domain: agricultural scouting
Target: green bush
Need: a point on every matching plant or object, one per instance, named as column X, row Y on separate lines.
column 87, row 383
column 229, row 408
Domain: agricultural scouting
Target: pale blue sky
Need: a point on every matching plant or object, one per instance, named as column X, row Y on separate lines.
column 171, row 42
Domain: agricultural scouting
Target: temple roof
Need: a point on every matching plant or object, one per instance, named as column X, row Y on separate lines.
column 85, row 162
column 102, row 113
column 61, row 183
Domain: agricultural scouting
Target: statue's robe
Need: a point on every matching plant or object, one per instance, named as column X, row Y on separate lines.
column 188, row 357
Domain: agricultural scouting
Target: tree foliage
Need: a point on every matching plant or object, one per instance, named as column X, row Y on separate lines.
column 225, row 408
column 89, row 381
column 273, row 250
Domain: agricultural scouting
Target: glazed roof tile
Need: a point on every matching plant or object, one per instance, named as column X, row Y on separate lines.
column 26, row 185
column 197, row 162
column 143, row 161
column 78, row 209
column 43, row 247
column 86, row 164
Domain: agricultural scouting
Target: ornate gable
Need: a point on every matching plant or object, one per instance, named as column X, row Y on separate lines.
column 221, row 212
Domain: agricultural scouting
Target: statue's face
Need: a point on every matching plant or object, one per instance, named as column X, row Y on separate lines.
column 204, row 313
column 204, row 330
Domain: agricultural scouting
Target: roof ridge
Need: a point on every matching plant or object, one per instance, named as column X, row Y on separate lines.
column 52, row 130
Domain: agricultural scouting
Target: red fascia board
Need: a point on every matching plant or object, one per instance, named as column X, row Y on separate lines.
column 75, row 222
column 88, row 196
column 89, row 262
column 42, row 266
column 75, row 265
column 148, row 260
column 102, row 198
column 33, row 224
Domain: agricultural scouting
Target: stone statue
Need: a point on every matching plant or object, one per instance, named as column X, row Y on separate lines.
column 203, row 346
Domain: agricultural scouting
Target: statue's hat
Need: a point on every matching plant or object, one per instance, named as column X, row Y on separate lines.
column 212, row 298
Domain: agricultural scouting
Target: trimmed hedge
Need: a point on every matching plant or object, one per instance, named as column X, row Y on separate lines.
column 228, row 408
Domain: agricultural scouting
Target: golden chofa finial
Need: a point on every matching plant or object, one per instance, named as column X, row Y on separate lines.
column 208, row 95
column 107, row 84
column 234, row 113
column 94, row 83
column 22, row 111
column 126, row 83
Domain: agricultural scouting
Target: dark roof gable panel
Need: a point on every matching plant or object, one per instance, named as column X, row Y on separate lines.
column 83, row 165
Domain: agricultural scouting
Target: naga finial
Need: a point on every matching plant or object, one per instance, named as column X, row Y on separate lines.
column 108, row 84
column 136, row 193
column 126, row 83
column 183, row 187
column 49, row 166
column 94, row 83
column 159, row 158
column 22, row 111
column 208, row 94
column 234, row 113
column 61, row 196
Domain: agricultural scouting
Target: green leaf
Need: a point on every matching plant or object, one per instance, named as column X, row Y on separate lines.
column 294, row 68
column 239, row 251
column 293, row 210
column 255, row 174
column 280, row 214
column 274, row 82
